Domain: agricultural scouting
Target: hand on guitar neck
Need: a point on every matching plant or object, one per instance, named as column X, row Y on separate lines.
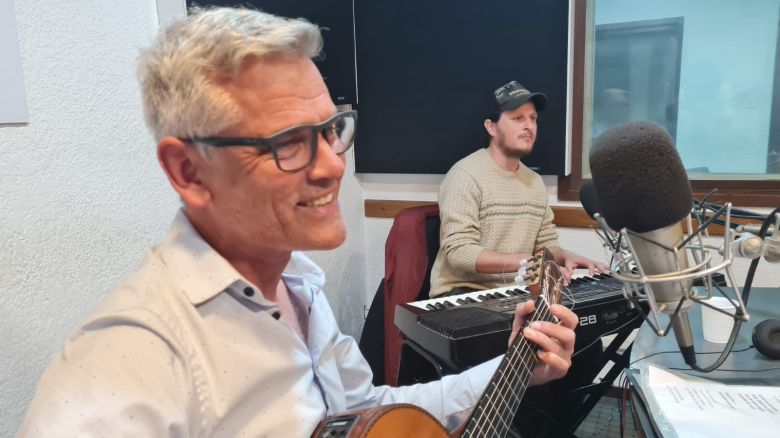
column 538, row 353
column 544, row 279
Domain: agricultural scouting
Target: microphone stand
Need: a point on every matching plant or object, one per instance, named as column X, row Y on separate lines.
column 638, row 285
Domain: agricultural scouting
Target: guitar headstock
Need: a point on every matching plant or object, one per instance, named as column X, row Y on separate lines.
column 544, row 277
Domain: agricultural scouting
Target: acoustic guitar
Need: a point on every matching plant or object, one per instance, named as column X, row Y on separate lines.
column 495, row 409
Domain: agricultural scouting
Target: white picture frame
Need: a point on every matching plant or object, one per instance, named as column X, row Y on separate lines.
column 13, row 99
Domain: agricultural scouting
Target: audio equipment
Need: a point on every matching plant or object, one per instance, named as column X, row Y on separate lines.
column 766, row 338
column 644, row 194
column 467, row 329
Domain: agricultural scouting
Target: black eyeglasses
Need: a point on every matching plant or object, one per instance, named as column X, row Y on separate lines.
column 296, row 147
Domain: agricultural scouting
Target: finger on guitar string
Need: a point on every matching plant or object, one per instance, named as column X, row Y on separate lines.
column 550, row 337
column 522, row 311
column 554, row 364
column 566, row 317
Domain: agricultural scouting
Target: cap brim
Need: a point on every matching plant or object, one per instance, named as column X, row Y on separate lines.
column 539, row 100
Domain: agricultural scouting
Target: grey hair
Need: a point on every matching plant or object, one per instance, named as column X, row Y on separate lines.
column 178, row 72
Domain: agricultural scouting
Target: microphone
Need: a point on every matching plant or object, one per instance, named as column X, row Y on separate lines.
column 590, row 199
column 642, row 186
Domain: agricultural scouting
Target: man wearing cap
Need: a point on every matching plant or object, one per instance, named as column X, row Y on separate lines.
column 494, row 209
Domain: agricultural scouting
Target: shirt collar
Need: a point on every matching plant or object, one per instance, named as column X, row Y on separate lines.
column 203, row 273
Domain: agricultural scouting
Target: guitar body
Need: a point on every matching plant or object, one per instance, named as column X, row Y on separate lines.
column 398, row 420
column 495, row 409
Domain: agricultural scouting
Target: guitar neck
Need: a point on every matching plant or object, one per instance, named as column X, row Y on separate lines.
column 498, row 404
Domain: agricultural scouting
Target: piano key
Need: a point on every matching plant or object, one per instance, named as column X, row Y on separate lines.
column 583, row 282
column 592, row 295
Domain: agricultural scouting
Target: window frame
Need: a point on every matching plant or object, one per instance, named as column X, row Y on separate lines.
column 743, row 192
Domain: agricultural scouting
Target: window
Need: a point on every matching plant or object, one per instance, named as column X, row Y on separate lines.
column 710, row 75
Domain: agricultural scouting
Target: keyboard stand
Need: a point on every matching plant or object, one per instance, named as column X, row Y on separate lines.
column 411, row 370
column 619, row 362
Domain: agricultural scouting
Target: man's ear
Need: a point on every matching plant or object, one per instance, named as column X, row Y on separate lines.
column 490, row 127
column 182, row 164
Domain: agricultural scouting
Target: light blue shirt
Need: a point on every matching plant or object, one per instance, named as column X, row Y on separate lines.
column 186, row 347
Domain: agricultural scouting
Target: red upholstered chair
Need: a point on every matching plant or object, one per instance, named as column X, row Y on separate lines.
column 410, row 250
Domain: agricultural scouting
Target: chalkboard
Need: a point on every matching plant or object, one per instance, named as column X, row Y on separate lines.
column 427, row 70
column 335, row 18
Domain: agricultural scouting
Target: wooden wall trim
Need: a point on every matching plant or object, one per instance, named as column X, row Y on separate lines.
column 574, row 217
column 569, row 217
column 388, row 209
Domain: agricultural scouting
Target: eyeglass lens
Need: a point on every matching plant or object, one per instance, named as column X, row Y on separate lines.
column 297, row 148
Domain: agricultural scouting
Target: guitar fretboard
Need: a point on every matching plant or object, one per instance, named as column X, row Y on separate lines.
column 496, row 408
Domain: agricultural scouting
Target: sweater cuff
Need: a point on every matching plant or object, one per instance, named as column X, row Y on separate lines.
column 468, row 257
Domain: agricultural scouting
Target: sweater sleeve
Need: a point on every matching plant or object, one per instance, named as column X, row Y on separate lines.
column 547, row 236
column 459, row 204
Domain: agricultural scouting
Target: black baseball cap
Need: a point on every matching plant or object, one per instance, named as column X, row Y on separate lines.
column 512, row 95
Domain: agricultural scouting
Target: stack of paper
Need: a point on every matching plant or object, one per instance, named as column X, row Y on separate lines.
column 688, row 406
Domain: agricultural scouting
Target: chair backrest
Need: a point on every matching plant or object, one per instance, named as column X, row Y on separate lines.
column 410, row 250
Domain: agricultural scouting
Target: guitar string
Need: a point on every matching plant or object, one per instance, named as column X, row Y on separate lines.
column 512, row 359
column 523, row 352
column 509, row 383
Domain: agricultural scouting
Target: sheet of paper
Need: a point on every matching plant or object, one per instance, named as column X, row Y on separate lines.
column 695, row 407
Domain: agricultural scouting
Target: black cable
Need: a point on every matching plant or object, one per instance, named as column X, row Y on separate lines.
column 754, row 263
column 678, row 352
column 704, row 206
column 733, row 371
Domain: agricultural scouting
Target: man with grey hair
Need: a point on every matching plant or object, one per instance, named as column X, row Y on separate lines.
column 224, row 329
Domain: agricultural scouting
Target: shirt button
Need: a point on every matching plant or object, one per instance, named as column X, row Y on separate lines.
column 276, row 315
column 248, row 291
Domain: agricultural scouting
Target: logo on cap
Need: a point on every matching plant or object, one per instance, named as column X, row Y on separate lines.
column 512, row 95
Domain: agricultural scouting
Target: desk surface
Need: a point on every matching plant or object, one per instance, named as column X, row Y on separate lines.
column 748, row 367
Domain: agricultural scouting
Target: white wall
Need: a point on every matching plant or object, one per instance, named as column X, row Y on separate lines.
column 83, row 196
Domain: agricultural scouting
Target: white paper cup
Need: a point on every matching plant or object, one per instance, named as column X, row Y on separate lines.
column 717, row 326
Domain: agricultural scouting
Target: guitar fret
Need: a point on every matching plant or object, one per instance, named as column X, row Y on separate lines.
column 498, row 404
column 505, row 392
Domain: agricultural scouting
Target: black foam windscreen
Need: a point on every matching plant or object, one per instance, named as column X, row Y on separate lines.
column 639, row 177
column 589, row 198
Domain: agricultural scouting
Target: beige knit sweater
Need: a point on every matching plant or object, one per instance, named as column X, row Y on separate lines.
column 483, row 206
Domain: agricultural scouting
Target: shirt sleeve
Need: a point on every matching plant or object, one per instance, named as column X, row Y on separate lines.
column 114, row 378
column 459, row 203
column 449, row 399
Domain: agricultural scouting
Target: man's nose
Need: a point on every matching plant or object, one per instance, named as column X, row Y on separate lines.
column 327, row 164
